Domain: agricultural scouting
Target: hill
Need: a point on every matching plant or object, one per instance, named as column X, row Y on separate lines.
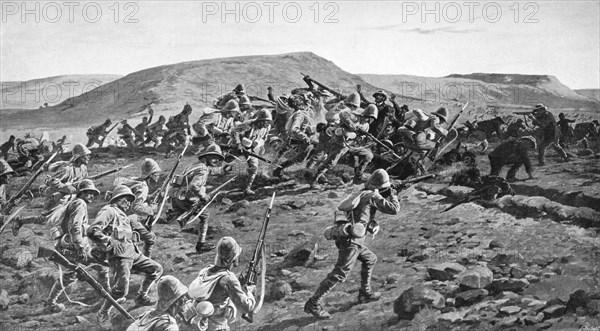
column 492, row 94
column 590, row 93
column 32, row 94
column 196, row 82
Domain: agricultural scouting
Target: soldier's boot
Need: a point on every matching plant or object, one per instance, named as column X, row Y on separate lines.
column 202, row 246
column 103, row 315
column 365, row 294
column 51, row 305
column 248, row 189
column 313, row 306
column 142, row 298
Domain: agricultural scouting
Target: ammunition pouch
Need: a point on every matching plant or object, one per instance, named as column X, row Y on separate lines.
column 345, row 230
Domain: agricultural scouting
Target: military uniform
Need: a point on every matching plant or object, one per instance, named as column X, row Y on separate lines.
column 7, row 147
column 177, row 127
column 156, row 130
column 550, row 135
column 95, row 132
column 300, row 130
column 515, row 153
column 424, row 128
column 515, row 129
column 351, row 246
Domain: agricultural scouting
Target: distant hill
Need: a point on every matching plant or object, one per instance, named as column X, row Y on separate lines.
column 196, row 82
column 492, row 94
column 590, row 93
column 34, row 93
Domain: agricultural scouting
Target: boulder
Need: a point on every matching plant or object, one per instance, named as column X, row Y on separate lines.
column 333, row 195
column 445, row 271
column 180, row 258
column 240, row 222
column 4, row 300
column 509, row 310
column 509, row 284
column 393, row 278
column 554, row 311
column 19, row 299
column 279, row 290
column 298, row 204
column 507, row 259
column 476, row 278
column 414, row 299
column 470, row 297
column 37, row 284
column 495, row 244
column 242, row 204
column 19, row 257
column 301, row 255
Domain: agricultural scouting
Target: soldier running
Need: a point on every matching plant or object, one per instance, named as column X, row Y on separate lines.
column 115, row 232
column 550, row 135
column 156, row 130
column 179, row 129
column 350, row 236
column 96, row 134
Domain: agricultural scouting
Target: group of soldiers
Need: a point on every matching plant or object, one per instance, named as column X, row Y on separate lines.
column 312, row 126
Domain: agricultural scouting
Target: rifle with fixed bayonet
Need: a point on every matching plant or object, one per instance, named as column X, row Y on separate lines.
column 434, row 152
column 380, row 143
column 309, row 80
column 163, row 193
column 403, row 184
column 255, row 98
column 200, row 206
column 241, row 150
column 249, row 277
column 58, row 258
column 105, row 135
column 11, row 203
column 109, row 172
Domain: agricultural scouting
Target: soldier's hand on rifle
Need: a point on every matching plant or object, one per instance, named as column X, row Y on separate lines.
column 250, row 288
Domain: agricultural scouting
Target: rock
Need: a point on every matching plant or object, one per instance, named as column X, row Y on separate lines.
column 240, row 222
column 508, row 321
column 445, row 271
column 554, row 311
column 517, row 272
column 333, row 195
column 507, row 259
column 416, row 298
column 470, row 297
column 451, row 317
column 548, row 274
column 285, row 272
column 510, row 310
column 532, row 320
column 279, row 290
column 19, row 257
column 577, row 299
column 296, row 233
column 31, row 325
column 285, row 207
column 226, row 201
column 478, row 277
column 298, row 204
column 301, row 255
column 4, row 300
column 242, row 204
column 408, row 251
column 532, row 278
column 495, row 244
column 82, row 320
column 418, row 257
column 37, row 284
column 20, row 299
column 281, row 252
column 393, row 278
column 509, row 284
column 180, row 258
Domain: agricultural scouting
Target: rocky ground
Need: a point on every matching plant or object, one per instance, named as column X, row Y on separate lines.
column 529, row 262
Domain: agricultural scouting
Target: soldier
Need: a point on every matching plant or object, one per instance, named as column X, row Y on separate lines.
column 114, row 231
column 156, row 130
column 178, row 126
column 566, row 131
column 350, row 236
column 246, row 109
column 300, row 130
column 221, row 287
column 252, row 135
column 550, row 135
column 193, row 189
column 7, row 147
column 60, row 145
column 348, row 138
column 270, row 95
column 96, row 134
column 128, row 134
column 212, row 127
column 5, row 172
column 516, row 128
column 235, row 95
column 72, row 242
column 384, row 111
column 171, row 299
column 514, row 152
column 399, row 112
column 60, row 185
column 140, row 187
column 423, row 129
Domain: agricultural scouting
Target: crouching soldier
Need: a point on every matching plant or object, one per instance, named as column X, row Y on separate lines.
column 350, row 236
column 193, row 190
column 114, row 231
column 513, row 152
column 96, row 134
column 171, row 299
column 72, row 242
column 220, row 287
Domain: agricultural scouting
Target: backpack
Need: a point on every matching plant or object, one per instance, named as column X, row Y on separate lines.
column 203, row 286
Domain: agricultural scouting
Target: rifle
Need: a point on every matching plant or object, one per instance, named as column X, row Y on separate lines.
column 10, row 204
column 522, row 113
column 58, row 258
column 469, row 198
column 378, row 142
column 197, row 206
column 248, row 153
column 401, row 185
column 255, row 98
column 249, row 278
column 109, row 172
column 441, row 139
column 106, row 135
column 166, row 185
column 337, row 94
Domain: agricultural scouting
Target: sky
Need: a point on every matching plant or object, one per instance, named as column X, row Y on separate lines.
column 433, row 38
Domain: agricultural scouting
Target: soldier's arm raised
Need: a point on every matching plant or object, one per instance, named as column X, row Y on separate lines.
column 241, row 299
column 389, row 205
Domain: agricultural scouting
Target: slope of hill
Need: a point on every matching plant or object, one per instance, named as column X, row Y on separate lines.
column 32, row 94
column 197, row 83
column 590, row 93
column 492, row 94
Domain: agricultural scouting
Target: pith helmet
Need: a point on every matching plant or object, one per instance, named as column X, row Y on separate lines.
column 212, row 150
column 245, row 101
column 281, row 106
column 378, row 180
column 227, row 251
column 353, row 99
column 442, row 113
column 231, row 106
column 381, row 93
column 122, row 191
column 78, row 151
column 169, row 290
column 539, row 107
column 239, row 88
column 87, row 185
column 530, row 139
column 263, row 115
column 108, row 122
column 149, row 166
column 5, row 168
column 370, row 111
column 162, row 119
column 187, row 109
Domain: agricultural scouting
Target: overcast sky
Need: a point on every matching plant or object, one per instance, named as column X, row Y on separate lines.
column 382, row 37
